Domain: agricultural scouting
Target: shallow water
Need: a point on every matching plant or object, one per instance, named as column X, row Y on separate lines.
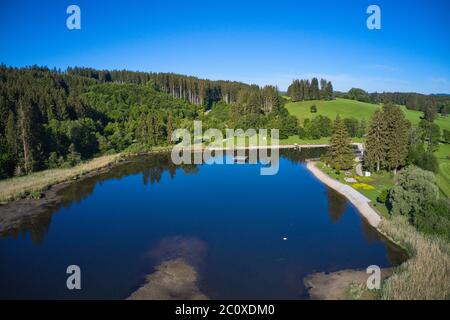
column 227, row 221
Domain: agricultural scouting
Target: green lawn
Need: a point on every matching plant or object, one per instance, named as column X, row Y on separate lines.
column 351, row 108
column 323, row 140
column 443, row 177
column 371, row 187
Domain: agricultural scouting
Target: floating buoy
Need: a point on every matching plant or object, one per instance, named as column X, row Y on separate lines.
column 284, row 239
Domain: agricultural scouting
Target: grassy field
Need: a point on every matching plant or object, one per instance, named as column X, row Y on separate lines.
column 351, row 108
column 360, row 110
column 443, row 177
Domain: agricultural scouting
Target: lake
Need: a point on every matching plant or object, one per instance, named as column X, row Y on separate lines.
column 248, row 236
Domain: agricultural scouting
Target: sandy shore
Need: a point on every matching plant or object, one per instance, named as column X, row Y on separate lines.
column 337, row 285
column 356, row 198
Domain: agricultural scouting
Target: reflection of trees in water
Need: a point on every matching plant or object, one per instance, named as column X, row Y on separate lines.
column 37, row 225
column 395, row 254
column 337, row 204
column 296, row 156
column 151, row 167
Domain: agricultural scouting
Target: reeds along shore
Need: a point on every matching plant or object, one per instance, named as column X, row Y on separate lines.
column 33, row 184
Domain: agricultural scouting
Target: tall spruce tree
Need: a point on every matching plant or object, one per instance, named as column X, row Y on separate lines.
column 314, row 89
column 396, row 136
column 329, row 90
column 375, row 153
column 340, row 153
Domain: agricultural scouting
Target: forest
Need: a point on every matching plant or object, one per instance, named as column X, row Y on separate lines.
column 414, row 101
column 54, row 118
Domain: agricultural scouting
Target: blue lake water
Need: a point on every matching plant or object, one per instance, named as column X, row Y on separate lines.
column 230, row 221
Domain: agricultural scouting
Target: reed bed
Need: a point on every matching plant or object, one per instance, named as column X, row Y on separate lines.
column 34, row 184
column 426, row 275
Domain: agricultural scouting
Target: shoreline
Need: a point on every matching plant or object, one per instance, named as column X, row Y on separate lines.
column 357, row 199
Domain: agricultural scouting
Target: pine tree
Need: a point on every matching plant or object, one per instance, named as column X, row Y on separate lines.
column 375, row 153
column 340, row 153
column 306, row 91
column 330, row 92
column 314, row 89
column 323, row 89
column 396, row 136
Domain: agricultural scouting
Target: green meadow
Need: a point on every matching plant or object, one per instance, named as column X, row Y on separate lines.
column 361, row 110
column 350, row 108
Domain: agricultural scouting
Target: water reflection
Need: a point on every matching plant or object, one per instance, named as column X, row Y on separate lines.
column 137, row 221
column 337, row 204
column 152, row 169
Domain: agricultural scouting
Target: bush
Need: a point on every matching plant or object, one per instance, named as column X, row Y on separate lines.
column 446, row 136
column 427, row 161
column 383, row 196
column 414, row 188
column 433, row 218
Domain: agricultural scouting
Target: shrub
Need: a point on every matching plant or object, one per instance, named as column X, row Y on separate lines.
column 433, row 218
column 383, row 196
column 414, row 187
column 363, row 186
column 427, row 161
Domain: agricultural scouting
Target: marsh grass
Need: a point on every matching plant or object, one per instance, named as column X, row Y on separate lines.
column 33, row 185
column 426, row 275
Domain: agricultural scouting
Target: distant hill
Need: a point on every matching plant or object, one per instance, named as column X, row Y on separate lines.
column 351, row 108
column 440, row 94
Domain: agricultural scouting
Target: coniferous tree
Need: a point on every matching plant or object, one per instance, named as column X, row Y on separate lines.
column 30, row 137
column 306, row 90
column 329, row 90
column 323, row 89
column 340, row 153
column 375, row 148
column 396, row 136
column 314, row 89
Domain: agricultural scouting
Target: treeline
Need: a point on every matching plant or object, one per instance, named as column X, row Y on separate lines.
column 413, row 101
column 51, row 118
column 194, row 90
column 321, row 126
column 393, row 145
column 301, row 90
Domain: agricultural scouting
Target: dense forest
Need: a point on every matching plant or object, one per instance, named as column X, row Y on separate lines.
column 52, row 118
column 412, row 100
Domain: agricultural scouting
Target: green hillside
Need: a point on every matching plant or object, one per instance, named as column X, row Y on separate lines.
column 351, row 108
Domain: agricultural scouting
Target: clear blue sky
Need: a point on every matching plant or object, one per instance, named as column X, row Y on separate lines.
column 262, row 42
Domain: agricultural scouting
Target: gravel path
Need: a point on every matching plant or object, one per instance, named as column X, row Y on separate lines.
column 356, row 198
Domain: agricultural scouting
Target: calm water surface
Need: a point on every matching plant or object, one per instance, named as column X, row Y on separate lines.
column 228, row 220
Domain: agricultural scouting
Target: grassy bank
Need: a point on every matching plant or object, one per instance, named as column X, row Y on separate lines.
column 371, row 187
column 426, row 275
column 443, row 176
column 34, row 184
